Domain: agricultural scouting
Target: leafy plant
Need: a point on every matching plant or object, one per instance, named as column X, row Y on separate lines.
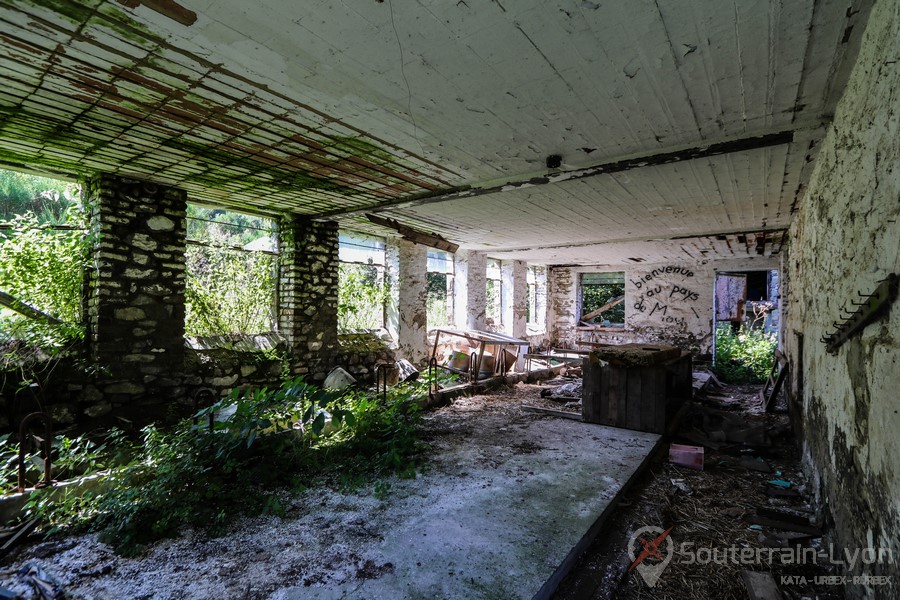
column 362, row 294
column 202, row 475
column 228, row 290
column 596, row 295
column 744, row 357
column 71, row 457
column 47, row 198
column 44, row 266
column 437, row 305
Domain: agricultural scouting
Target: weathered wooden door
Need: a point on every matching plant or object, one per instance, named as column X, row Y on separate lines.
column 731, row 294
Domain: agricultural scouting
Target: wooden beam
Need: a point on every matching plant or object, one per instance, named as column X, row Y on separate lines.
column 606, row 306
column 414, row 235
column 27, row 310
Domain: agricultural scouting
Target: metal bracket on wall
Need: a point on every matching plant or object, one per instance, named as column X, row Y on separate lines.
column 869, row 308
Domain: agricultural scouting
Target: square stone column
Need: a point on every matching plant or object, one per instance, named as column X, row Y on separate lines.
column 469, row 289
column 540, row 297
column 514, row 301
column 406, row 316
column 514, row 297
column 136, row 290
column 308, row 294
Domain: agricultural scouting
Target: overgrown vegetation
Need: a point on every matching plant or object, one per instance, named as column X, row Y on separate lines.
column 745, row 356
column 44, row 254
column 71, row 457
column 595, row 296
column 437, row 304
column 203, row 475
column 362, row 294
column 232, row 273
column 47, row 199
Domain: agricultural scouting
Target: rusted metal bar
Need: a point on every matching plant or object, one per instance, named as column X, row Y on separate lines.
column 433, row 387
column 45, row 442
column 381, row 380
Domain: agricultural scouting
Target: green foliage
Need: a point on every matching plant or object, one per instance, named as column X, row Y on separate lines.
column 596, row 295
column 437, row 305
column 362, row 294
column 229, row 291
column 228, row 227
column 492, row 300
column 47, row 199
column 203, row 476
column 45, row 267
column 70, row 457
column 744, row 357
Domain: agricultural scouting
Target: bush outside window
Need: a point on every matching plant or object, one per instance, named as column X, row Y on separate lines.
column 232, row 264
column 44, row 252
column 362, row 291
column 439, row 277
column 599, row 290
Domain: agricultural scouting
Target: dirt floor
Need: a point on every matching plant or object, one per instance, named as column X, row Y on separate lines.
column 321, row 541
column 714, row 508
column 324, row 542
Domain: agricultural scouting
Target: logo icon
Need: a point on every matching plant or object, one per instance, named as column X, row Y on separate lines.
column 650, row 549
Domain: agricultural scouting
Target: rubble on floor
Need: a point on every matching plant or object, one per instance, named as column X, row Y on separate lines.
column 751, row 494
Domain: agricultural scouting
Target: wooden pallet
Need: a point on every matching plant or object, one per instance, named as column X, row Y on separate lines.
column 776, row 379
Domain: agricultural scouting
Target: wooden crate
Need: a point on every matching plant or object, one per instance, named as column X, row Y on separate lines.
column 633, row 397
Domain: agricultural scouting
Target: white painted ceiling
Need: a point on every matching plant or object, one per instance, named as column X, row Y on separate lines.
column 336, row 108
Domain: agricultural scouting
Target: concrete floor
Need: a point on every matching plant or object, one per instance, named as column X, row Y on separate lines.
column 504, row 522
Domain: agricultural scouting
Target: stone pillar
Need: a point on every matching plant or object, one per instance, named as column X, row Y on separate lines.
column 469, row 291
column 406, row 315
column 514, row 297
column 540, row 297
column 308, row 294
column 562, row 300
column 136, row 292
column 514, row 301
column 392, row 281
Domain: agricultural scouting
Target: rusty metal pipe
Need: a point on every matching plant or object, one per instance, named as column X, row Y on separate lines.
column 46, row 443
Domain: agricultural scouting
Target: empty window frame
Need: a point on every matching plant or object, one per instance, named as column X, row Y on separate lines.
column 537, row 298
column 45, row 250
column 603, row 291
column 232, row 272
column 439, row 298
column 362, row 292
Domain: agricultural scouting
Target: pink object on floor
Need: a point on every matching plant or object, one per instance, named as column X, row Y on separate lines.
column 686, row 456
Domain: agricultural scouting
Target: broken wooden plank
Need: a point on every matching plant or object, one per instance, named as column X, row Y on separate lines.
column 23, row 531
column 781, row 493
column 761, row 586
column 414, row 235
column 786, row 526
column 25, row 309
column 605, row 307
column 553, row 413
column 782, row 515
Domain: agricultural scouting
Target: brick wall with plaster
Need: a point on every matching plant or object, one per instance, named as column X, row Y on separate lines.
column 843, row 241
column 669, row 303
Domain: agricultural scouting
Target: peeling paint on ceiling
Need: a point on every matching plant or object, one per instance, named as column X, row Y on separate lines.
column 330, row 108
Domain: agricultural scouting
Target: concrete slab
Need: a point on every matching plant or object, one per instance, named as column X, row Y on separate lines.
column 494, row 522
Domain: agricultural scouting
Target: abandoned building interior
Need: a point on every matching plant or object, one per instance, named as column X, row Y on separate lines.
column 530, row 188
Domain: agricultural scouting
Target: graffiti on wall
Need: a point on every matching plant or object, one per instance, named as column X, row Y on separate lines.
column 658, row 295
